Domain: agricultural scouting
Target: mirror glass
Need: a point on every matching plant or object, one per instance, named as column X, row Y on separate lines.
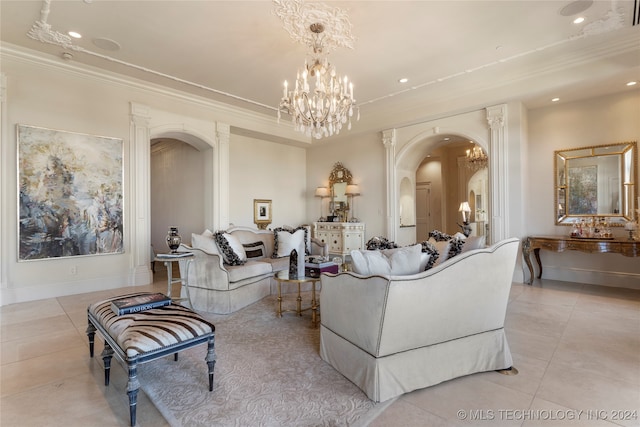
column 596, row 181
column 339, row 178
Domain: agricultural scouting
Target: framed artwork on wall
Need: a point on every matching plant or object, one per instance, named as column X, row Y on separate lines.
column 70, row 190
column 262, row 213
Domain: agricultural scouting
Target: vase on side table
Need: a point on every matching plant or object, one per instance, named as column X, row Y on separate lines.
column 173, row 239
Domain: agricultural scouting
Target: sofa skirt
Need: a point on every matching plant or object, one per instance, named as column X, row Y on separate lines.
column 228, row 301
column 389, row 376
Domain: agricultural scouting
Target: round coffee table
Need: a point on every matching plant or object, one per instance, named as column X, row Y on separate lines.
column 283, row 277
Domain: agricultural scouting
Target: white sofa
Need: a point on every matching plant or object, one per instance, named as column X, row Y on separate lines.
column 217, row 287
column 391, row 335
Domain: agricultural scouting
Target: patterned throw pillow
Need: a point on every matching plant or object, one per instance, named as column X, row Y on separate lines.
column 454, row 246
column 231, row 249
column 431, row 254
column 255, row 250
column 379, row 243
column 439, row 236
column 285, row 240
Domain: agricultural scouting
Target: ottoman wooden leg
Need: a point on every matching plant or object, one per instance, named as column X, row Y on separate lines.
column 91, row 333
column 211, row 360
column 107, row 353
column 132, row 388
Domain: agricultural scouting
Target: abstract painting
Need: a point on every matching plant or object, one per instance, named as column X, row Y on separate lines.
column 70, row 194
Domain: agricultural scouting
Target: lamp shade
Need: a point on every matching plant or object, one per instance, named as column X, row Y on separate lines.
column 352, row 190
column 464, row 207
column 322, row 192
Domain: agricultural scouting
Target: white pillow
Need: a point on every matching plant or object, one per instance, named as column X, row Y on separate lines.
column 474, row 242
column 397, row 262
column 287, row 241
column 424, row 260
column 230, row 248
column 442, row 248
column 204, row 241
column 237, row 247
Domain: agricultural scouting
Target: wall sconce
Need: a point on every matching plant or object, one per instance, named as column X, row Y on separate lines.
column 322, row 192
column 351, row 191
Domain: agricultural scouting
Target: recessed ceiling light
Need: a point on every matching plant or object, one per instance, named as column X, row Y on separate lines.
column 632, row 83
column 107, row 44
column 447, row 138
column 576, row 7
column 578, row 20
column 555, row 99
column 75, row 35
column 403, row 80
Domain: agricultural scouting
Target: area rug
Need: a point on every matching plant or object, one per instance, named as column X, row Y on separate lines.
column 268, row 373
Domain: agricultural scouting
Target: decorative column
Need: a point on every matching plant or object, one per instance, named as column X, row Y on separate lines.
column 139, row 195
column 389, row 141
column 498, row 173
column 221, row 177
column 4, row 157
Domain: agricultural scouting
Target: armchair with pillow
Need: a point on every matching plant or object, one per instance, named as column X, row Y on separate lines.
column 234, row 268
column 394, row 325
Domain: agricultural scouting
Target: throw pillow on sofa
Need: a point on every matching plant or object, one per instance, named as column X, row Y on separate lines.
column 255, row 250
column 379, row 242
column 285, row 240
column 231, row 249
column 204, row 241
column 428, row 256
column 474, row 242
column 395, row 262
column 447, row 245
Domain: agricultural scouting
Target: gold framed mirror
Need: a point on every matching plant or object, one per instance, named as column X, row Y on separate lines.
column 339, row 178
column 596, row 181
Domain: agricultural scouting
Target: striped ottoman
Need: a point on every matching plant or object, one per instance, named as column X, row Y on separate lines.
column 145, row 336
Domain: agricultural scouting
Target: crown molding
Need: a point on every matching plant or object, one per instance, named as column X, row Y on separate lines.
column 236, row 117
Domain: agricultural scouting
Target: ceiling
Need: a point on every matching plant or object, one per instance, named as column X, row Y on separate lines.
column 457, row 55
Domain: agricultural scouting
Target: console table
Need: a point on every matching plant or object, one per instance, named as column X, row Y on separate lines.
column 342, row 237
column 630, row 248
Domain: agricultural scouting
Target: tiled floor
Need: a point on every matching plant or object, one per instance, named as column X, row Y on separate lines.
column 577, row 349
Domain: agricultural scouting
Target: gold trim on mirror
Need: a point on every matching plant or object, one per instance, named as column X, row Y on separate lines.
column 339, row 178
column 596, row 181
column 339, row 174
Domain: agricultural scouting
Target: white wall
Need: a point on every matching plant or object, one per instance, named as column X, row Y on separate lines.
column 602, row 120
column 49, row 93
column 364, row 157
column 266, row 170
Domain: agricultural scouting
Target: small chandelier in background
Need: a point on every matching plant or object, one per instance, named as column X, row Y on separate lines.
column 476, row 159
column 323, row 110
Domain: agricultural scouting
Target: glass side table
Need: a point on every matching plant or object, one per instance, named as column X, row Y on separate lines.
column 168, row 260
column 283, row 277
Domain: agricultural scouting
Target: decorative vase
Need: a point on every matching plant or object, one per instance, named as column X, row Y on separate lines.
column 293, row 264
column 173, row 239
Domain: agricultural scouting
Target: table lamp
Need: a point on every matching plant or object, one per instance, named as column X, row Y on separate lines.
column 321, row 192
column 351, row 191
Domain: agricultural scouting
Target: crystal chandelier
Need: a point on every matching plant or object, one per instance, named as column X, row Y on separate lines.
column 476, row 158
column 323, row 110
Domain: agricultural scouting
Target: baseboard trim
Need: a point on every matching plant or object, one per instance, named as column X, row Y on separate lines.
column 618, row 279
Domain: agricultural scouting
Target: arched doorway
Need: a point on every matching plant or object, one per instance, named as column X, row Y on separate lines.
column 176, row 166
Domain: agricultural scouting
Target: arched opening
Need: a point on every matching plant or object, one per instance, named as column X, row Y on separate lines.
column 441, row 181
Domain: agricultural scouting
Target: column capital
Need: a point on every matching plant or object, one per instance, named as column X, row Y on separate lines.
column 389, row 137
column 496, row 116
column 223, row 132
column 140, row 115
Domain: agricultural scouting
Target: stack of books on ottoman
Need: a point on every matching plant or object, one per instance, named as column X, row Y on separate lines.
column 312, row 269
column 135, row 304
